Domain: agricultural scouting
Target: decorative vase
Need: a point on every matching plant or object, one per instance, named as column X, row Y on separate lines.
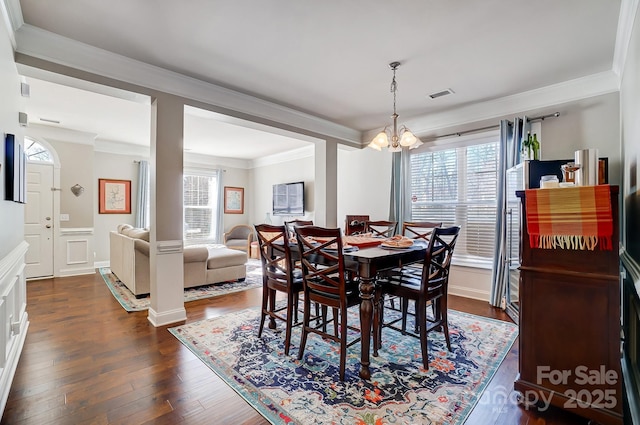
column 267, row 219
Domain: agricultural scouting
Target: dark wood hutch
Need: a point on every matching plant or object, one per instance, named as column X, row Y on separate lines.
column 570, row 326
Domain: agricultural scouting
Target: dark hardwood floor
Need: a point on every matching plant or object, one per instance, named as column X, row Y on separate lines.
column 88, row 361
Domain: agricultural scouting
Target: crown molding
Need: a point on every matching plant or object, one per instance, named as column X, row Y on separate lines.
column 45, row 45
column 292, row 155
column 12, row 16
column 210, row 161
column 556, row 94
column 120, row 148
column 628, row 12
column 62, row 134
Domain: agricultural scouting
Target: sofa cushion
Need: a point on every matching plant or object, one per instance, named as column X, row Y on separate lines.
column 194, row 254
column 123, row 227
column 225, row 257
column 136, row 233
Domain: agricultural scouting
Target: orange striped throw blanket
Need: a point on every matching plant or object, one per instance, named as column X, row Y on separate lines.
column 570, row 218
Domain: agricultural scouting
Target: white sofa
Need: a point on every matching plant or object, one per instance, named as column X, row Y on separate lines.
column 203, row 265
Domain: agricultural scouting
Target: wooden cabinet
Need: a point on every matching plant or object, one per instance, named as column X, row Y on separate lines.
column 570, row 327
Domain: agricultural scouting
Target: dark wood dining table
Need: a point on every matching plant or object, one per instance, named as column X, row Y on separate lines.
column 370, row 261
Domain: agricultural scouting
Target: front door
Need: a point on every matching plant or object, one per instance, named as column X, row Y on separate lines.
column 38, row 220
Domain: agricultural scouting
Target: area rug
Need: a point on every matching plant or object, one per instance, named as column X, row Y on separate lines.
column 130, row 303
column 287, row 391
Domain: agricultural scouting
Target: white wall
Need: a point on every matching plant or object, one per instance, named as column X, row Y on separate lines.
column 13, row 292
column 119, row 167
column 302, row 168
column 11, row 213
column 364, row 184
column 586, row 124
column 238, row 177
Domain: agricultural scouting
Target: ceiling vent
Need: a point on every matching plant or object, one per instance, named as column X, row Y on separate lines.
column 441, row 93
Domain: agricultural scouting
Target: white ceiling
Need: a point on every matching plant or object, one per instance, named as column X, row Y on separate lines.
column 329, row 59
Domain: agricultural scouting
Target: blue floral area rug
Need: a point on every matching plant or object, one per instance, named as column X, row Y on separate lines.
column 287, row 391
column 129, row 302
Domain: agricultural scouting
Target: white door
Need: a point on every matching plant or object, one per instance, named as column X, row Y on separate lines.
column 38, row 220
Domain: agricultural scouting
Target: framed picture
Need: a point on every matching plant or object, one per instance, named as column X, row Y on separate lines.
column 114, row 196
column 233, row 200
column 15, row 170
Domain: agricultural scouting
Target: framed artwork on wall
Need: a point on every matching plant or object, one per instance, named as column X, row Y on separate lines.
column 233, row 200
column 114, row 196
column 15, row 170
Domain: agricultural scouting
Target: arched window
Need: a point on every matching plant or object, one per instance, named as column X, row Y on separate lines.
column 36, row 152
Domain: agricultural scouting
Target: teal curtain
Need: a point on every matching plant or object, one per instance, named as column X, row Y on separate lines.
column 500, row 274
column 142, row 207
column 400, row 202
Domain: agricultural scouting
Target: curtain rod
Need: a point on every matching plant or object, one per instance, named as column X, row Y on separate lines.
column 490, row 127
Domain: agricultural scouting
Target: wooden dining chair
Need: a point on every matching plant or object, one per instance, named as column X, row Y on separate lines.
column 429, row 286
column 278, row 274
column 291, row 225
column 326, row 282
column 382, row 228
column 419, row 230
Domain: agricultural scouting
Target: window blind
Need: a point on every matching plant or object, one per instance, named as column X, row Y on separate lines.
column 458, row 186
column 200, row 193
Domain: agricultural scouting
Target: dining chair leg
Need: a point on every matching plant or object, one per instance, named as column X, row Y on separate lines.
column 405, row 312
column 305, row 326
column 263, row 309
column 445, row 320
column 291, row 307
column 335, row 322
column 343, row 341
column 296, row 298
column 421, row 317
column 272, row 308
column 378, row 308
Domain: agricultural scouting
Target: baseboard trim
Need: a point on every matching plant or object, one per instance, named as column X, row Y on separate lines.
column 76, row 272
column 466, row 292
column 167, row 317
column 101, row 264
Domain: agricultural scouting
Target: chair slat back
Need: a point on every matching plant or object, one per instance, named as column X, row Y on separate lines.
column 419, row 229
column 291, row 225
column 322, row 260
column 438, row 257
column 275, row 253
column 382, row 228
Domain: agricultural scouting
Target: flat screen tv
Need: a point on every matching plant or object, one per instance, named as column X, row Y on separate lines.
column 288, row 198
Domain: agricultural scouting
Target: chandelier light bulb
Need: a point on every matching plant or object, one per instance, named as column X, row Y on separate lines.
column 408, row 138
column 381, row 139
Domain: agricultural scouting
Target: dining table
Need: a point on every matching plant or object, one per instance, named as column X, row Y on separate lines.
column 370, row 261
column 368, row 256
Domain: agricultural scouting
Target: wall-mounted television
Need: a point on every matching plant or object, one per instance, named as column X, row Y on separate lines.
column 288, row 198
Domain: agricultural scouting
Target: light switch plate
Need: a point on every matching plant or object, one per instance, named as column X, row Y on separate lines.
column 64, row 217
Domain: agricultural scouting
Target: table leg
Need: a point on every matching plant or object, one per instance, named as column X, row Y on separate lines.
column 366, row 313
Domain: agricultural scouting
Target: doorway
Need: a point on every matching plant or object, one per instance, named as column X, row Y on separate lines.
column 39, row 227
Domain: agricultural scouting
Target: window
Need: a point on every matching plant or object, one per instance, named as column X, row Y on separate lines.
column 459, row 186
column 36, row 152
column 201, row 206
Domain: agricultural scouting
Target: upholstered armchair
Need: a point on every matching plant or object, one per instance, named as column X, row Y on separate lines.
column 239, row 237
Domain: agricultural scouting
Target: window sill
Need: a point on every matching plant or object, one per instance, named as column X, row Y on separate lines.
column 472, row 263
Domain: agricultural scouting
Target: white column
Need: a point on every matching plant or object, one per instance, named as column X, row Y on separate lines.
column 166, row 245
column 326, row 183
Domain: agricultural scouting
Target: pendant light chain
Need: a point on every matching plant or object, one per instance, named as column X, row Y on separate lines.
column 395, row 138
column 394, row 89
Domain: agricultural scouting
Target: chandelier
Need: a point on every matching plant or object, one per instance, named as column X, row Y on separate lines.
column 395, row 138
